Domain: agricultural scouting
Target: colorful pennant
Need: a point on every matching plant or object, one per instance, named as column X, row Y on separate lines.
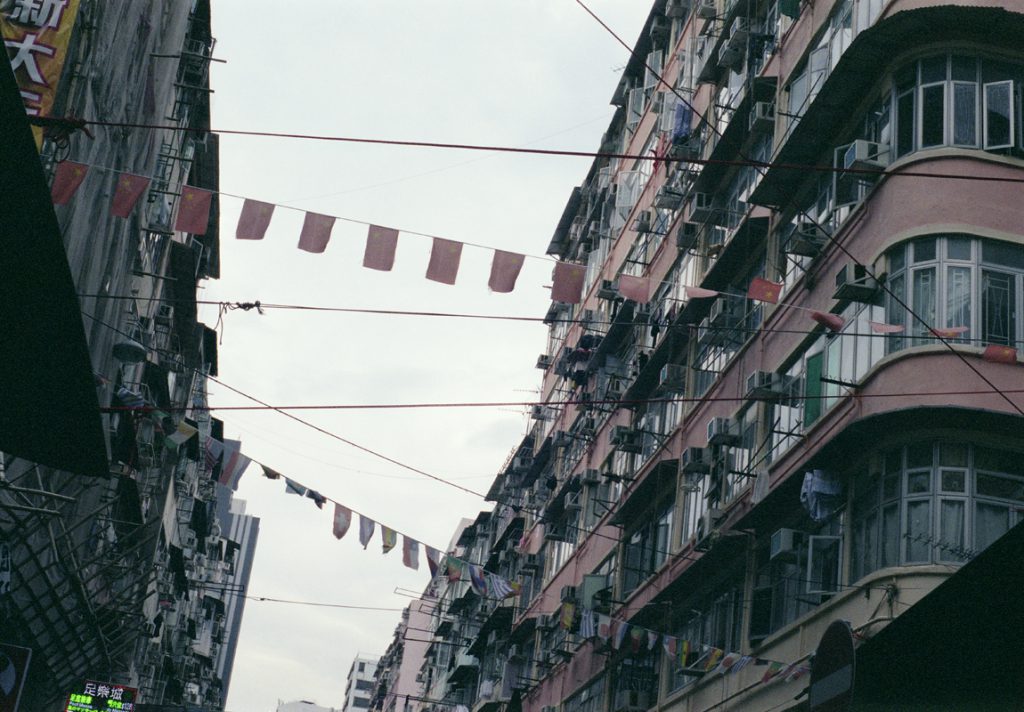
column 129, row 189
column 66, row 180
column 342, row 520
column 763, row 290
column 193, row 210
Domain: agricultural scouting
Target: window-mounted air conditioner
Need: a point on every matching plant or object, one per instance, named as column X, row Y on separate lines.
column 531, row 562
column 561, row 439
column 677, row 8
column 164, row 315
column 765, row 385
column 701, row 207
column 542, row 412
column 785, row 545
column 547, row 622
column 544, row 361
column 686, row 235
column 660, row 28
column 625, row 439
column 668, row 199
column 609, row 289
column 721, row 431
column 672, row 378
column 642, row 223
column 573, row 502
column 522, row 462
column 591, row 476
column 866, row 155
column 854, row 283
column 806, row 239
column 738, row 34
column 706, row 10
column 762, row 116
column 694, row 460
column 725, row 312
column 729, row 56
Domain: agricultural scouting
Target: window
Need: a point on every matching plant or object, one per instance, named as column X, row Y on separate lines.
column 956, row 282
column 933, row 503
column 647, row 548
column 714, row 620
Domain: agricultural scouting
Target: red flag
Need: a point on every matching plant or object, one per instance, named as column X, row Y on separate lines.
column 66, row 181
column 1000, row 354
column 381, row 243
column 444, row 261
column 410, row 552
column 505, row 271
column 342, row 520
column 316, row 232
column 763, row 290
column 829, row 320
column 699, row 293
column 636, row 288
column 951, row 332
column 193, row 210
column 567, row 284
column 129, row 189
column 254, row 220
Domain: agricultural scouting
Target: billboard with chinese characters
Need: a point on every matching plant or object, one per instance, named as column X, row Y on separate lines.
column 94, row 696
column 36, row 35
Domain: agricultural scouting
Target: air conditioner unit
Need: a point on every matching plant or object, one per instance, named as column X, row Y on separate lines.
column 542, row 412
column 765, row 385
column 785, row 545
column 706, row 10
column 466, row 660
column 677, row 8
column 632, row 701
column 520, row 463
column 672, row 378
column 561, row 439
column 591, row 476
column 730, row 57
column 866, row 155
column 547, row 622
column 668, row 199
column 544, row 361
column 531, row 562
column 642, row 224
column 694, row 460
column 806, row 238
column 587, row 426
column 725, row 312
column 164, row 315
column 660, row 28
column 722, row 432
column 572, row 501
column 625, row 439
column 568, row 594
column 701, row 207
column 609, row 289
column 686, row 147
column 854, row 283
column 762, row 116
column 738, row 34
column 686, row 235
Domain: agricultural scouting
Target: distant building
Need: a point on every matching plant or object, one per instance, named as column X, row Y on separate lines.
column 241, row 531
column 303, row 706
column 397, row 685
column 361, row 684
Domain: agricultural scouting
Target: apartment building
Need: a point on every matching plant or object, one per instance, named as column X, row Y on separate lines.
column 128, row 581
column 361, row 683
column 787, row 395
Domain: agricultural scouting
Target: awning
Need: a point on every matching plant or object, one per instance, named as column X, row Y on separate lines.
column 49, row 412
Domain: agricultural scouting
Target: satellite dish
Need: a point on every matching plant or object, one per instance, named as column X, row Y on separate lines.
column 130, row 351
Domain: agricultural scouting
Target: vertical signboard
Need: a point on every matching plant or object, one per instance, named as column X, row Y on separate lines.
column 94, row 696
column 13, row 670
column 36, row 36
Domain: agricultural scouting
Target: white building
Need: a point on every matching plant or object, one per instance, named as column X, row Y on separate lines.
column 361, row 681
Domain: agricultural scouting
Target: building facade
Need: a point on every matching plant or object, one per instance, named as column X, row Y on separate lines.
column 786, row 396
column 361, row 683
column 135, row 579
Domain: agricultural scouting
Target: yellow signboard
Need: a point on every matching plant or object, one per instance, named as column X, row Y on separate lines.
column 36, row 35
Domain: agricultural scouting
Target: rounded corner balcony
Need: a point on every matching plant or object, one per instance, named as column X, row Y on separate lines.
column 952, row 83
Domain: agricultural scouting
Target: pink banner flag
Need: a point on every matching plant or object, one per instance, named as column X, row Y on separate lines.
column 636, row 288
column 505, row 271
column 129, row 189
column 193, row 210
column 699, row 293
column 381, row 243
column 763, row 290
column 882, row 328
column 316, row 232
column 828, row 320
column 342, row 520
column 1000, row 354
column 254, row 220
column 567, row 282
column 66, row 180
column 410, row 552
column 951, row 332
column 444, row 261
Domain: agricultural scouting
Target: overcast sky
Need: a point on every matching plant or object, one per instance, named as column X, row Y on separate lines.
column 502, row 72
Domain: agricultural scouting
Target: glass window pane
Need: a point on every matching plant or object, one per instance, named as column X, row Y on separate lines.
column 905, row 123
column 891, row 487
column 812, row 403
column 954, row 481
column 958, row 297
column 895, row 313
column 953, row 454
column 951, row 529
column 894, row 460
column 1003, row 254
column 919, row 482
column 999, row 115
column 990, row 522
column 1000, row 487
column 919, row 530
column 923, row 302
column 965, row 114
column 998, row 298
column 965, row 68
column 870, row 562
column 933, row 115
column 890, row 535
column 958, row 248
column 897, row 258
column 1012, row 463
column 924, row 249
column 933, row 69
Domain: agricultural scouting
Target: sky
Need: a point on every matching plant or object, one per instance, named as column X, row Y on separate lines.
column 536, row 73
